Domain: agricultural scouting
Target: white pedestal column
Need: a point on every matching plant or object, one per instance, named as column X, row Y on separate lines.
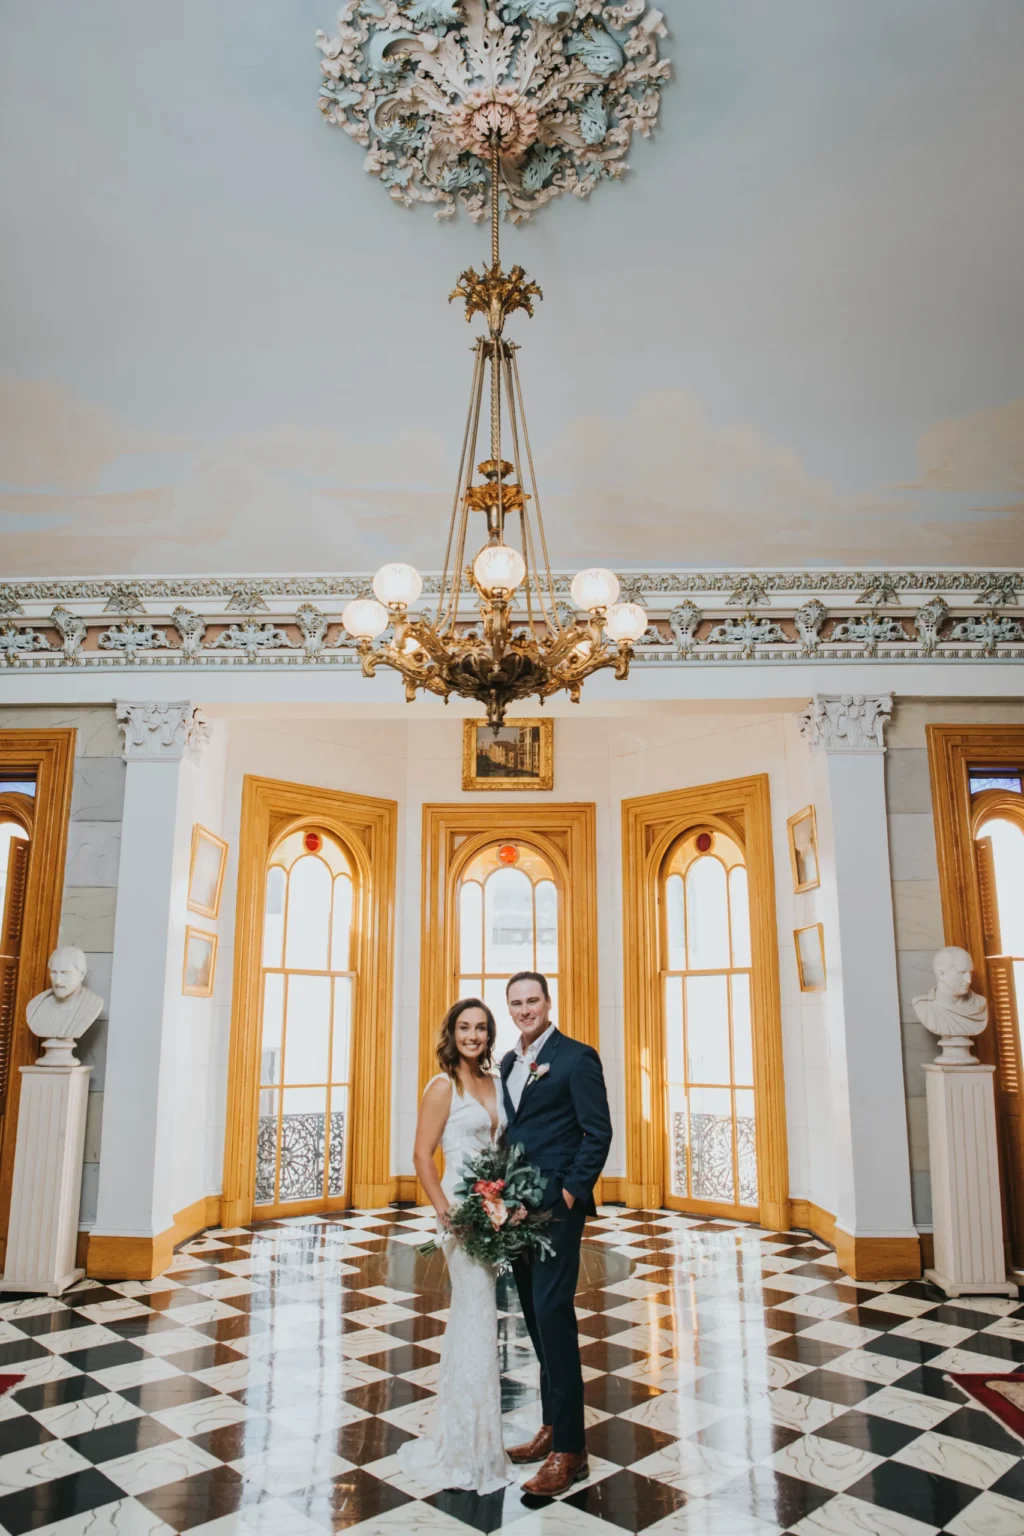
column 968, row 1218
column 134, row 1197
column 875, row 1233
column 47, row 1180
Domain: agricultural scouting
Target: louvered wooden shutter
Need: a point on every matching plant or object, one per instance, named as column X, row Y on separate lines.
column 1000, row 974
column 10, row 945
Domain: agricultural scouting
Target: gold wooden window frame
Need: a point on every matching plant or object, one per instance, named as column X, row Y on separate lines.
column 367, row 830
column 276, row 1207
column 679, row 859
column 452, row 837
column 48, row 755
column 651, row 826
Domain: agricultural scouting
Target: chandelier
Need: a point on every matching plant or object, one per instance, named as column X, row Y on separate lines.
column 521, row 641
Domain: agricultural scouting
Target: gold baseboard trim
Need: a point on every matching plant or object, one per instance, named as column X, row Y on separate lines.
column 927, row 1241
column 143, row 1258
column 405, row 1186
column 813, row 1218
column 612, row 1191
column 878, row 1258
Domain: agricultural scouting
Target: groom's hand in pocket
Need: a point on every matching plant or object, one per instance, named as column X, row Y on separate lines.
column 570, row 1200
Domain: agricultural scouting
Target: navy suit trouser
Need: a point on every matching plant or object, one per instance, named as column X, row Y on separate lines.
column 547, row 1291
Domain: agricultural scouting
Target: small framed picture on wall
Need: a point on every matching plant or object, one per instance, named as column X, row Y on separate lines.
column 803, row 850
column 810, row 957
column 206, row 871
column 200, row 963
column 519, row 756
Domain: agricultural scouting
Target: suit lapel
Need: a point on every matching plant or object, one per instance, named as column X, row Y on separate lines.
column 546, row 1054
column 510, row 1109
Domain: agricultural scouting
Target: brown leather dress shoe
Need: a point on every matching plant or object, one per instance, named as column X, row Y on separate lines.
column 535, row 1449
column 559, row 1472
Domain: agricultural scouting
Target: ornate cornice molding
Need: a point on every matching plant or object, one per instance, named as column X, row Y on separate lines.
column 424, row 85
column 160, row 733
column 846, row 722
column 295, row 621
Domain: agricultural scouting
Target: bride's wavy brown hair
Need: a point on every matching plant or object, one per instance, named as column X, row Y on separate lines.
column 448, row 1052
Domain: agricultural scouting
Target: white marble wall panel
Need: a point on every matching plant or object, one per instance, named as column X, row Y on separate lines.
column 917, row 911
column 98, row 793
column 94, row 851
column 87, row 917
column 97, row 732
column 912, row 846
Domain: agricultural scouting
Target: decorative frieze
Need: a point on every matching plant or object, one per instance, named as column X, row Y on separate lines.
column 294, row 621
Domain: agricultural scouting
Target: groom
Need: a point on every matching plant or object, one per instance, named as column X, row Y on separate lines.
column 557, row 1111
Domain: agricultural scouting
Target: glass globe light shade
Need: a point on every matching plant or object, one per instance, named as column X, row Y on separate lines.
column 397, row 584
column 626, row 621
column 365, row 618
column 498, row 568
column 594, row 588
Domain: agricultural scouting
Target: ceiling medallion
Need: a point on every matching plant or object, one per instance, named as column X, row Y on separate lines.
column 426, row 86
column 522, row 642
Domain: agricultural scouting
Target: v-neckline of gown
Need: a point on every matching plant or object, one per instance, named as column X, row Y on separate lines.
column 494, row 1122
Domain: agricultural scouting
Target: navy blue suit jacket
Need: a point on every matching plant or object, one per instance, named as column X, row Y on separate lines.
column 562, row 1122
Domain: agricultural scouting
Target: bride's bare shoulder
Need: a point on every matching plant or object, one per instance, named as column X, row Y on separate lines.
column 439, row 1090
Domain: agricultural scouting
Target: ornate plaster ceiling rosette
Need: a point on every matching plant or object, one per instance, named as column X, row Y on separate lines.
column 424, row 85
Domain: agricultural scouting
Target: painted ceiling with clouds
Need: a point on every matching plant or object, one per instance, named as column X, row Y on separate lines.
column 792, row 335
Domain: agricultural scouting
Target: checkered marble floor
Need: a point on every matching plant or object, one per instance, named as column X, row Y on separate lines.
column 737, row 1384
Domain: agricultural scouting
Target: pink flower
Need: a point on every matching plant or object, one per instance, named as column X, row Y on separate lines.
column 539, row 1071
column 497, row 1212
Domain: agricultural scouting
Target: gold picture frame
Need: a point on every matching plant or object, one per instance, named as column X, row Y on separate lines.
column 803, row 850
column 520, row 757
column 206, row 867
column 810, row 957
column 199, row 966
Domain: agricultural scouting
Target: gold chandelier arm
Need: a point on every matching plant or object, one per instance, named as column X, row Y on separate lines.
column 446, row 616
column 536, row 494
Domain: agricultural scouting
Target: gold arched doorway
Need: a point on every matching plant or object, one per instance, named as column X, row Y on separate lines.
column 664, row 839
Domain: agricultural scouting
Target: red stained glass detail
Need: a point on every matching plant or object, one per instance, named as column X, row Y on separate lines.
column 508, row 853
column 312, row 842
column 705, row 842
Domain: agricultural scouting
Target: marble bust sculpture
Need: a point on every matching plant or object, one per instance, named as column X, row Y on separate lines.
column 951, row 1010
column 62, row 1014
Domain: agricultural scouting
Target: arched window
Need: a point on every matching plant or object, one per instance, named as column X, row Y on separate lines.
column 709, row 1070
column 507, row 922
column 16, row 807
column 305, row 1026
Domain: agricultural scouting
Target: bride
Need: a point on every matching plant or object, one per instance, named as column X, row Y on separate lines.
column 462, row 1112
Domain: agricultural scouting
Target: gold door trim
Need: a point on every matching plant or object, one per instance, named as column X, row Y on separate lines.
column 567, row 836
column 952, row 752
column 650, row 825
column 367, row 828
column 50, row 755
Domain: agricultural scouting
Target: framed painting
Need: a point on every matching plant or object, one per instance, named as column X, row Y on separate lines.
column 519, row 756
column 803, row 850
column 200, row 965
column 810, row 957
column 206, row 871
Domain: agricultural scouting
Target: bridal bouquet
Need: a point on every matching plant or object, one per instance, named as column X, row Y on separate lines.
column 492, row 1221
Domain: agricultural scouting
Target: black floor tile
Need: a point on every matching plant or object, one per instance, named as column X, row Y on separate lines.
column 870, row 1432
column 347, row 1500
column 102, row 1357
column 627, row 1500
column 17, row 1434
column 740, row 1435
column 168, row 1392
column 408, row 1357
column 50, row 1322
column 807, row 1351
column 606, row 1355
column 909, row 1491
column 379, row 1396
column 124, row 1439
column 18, row 1350
column 981, row 1428
column 367, row 1440
column 835, row 1387
column 614, row 1394
column 250, row 1437
column 48, row 1394
column 772, row 1496
column 46, row 1503
column 486, row 1512
column 898, row 1347
column 196, row 1500
column 622, row 1441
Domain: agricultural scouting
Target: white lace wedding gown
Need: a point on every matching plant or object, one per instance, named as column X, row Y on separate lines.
column 466, row 1450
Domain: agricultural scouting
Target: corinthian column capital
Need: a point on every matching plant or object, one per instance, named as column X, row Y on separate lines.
column 847, row 722
column 161, row 732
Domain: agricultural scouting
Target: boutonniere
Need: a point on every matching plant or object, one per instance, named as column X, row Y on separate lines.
column 538, row 1071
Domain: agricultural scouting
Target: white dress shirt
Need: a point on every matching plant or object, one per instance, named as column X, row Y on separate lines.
column 521, row 1066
